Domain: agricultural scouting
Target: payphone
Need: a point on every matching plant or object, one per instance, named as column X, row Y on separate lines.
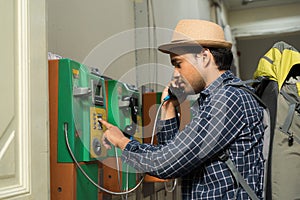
column 66, row 181
column 77, row 100
column 81, row 103
column 123, row 108
column 79, row 96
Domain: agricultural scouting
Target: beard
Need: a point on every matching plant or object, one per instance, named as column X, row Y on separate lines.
column 194, row 87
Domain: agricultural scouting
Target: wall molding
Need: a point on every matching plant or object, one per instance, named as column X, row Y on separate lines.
column 268, row 27
column 23, row 96
column 21, row 181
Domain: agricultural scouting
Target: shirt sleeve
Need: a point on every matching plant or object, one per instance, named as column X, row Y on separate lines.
column 167, row 129
column 213, row 128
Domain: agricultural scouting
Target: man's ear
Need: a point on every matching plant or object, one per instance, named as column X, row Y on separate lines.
column 205, row 57
column 203, row 51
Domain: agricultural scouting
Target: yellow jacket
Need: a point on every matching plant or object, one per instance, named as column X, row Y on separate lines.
column 277, row 63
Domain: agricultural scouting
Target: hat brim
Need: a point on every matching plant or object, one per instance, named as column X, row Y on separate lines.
column 171, row 47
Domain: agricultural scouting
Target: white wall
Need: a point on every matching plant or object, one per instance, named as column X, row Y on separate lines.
column 155, row 23
column 257, row 29
column 265, row 20
column 252, row 49
column 76, row 27
column 102, row 34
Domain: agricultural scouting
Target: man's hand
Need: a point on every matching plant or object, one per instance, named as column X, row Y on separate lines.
column 113, row 135
column 168, row 108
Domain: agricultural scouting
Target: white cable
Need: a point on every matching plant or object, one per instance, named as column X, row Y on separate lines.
column 173, row 187
column 127, row 181
column 118, row 169
column 155, row 121
column 84, row 173
column 152, row 139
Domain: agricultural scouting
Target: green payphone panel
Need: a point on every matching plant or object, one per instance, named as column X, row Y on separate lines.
column 123, row 108
column 124, row 111
column 81, row 102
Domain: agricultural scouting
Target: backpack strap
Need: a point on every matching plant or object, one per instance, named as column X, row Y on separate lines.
column 224, row 156
column 242, row 85
column 289, row 119
column 237, row 175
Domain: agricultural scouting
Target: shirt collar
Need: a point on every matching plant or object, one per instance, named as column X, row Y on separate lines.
column 227, row 75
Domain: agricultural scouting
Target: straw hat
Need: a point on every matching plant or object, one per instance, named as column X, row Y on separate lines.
column 192, row 32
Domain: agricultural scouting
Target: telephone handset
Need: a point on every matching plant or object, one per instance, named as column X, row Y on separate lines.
column 174, row 93
column 133, row 105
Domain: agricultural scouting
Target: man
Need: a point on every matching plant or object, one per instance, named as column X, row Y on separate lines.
column 226, row 119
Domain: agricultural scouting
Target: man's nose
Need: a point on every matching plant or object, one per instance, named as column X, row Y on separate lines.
column 176, row 73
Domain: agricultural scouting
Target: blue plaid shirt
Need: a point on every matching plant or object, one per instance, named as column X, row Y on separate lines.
column 225, row 118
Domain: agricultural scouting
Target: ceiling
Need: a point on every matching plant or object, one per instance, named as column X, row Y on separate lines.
column 245, row 4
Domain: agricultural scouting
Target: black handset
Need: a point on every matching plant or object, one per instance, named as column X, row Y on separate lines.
column 175, row 92
column 133, row 105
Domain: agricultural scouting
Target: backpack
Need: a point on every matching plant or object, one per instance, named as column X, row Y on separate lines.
column 280, row 91
column 277, row 89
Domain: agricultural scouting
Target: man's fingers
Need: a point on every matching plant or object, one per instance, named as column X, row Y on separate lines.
column 105, row 123
column 105, row 142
